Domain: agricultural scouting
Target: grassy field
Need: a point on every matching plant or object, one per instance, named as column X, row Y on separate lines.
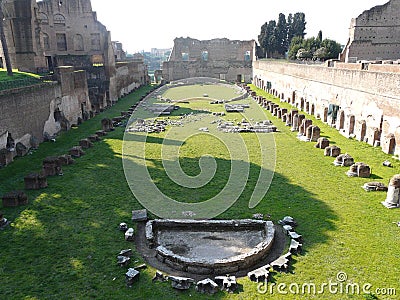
column 63, row 245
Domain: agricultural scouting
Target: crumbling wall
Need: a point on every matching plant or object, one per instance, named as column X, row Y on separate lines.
column 357, row 96
column 374, row 34
column 35, row 112
column 218, row 58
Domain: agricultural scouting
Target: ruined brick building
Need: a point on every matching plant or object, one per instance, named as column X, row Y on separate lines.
column 217, row 58
column 44, row 35
column 375, row 34
column 90, row 72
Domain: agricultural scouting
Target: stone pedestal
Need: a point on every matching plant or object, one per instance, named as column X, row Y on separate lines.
column 35, row 181
column 344, row 160
column 106, row 124
column 392, row 198
column 322, row 143
column 14, row 199
column 6, row 157
column 305, row 123
column 21, row 149
column 76, row 152
column 388, row 144
column 52, row 166
column 85, row 144
column 66, row 160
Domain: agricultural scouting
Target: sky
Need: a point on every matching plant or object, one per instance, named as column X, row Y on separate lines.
column 142, row 25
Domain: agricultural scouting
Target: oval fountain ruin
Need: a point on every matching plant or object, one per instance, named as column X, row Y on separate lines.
column 210, row 246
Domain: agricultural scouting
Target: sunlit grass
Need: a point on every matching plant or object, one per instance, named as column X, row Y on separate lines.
column 63, row 245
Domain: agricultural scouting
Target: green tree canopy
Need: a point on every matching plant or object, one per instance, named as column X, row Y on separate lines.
column 276, row 36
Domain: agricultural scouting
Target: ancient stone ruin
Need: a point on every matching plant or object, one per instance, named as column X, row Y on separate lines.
column 178, row 244
column 333, row 151
column 344, row 160
column 14, row 199
column 359, row 170
column 52, row 166
column 392, row 199
column 35, row 181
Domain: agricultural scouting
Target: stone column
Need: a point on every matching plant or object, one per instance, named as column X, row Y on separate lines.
column 392, row 199
column 295, row 123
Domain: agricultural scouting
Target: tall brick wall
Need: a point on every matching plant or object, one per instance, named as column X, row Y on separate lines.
column 370, row 97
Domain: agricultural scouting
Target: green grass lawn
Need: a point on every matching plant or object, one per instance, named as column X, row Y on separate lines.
column 63, row 245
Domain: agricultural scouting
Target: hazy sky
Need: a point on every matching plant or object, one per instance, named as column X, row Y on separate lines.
column 142, row 25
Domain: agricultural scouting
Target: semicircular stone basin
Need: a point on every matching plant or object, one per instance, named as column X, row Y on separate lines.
column 210, row 246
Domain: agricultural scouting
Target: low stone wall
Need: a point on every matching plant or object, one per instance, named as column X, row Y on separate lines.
column 222, row 266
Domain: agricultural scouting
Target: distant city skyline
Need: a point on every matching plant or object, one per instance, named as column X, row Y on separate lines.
column 144, row 25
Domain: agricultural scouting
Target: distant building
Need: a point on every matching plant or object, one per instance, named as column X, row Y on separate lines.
column 160, row 52
column 218, row 58
column 375, row 34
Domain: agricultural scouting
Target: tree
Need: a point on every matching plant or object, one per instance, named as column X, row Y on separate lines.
column 319, row 36
column 333, row 48
column 4, row 42
column 303, row 54
column 295, row 45
column 281, row 34
column 299, row 24
column 266, row 38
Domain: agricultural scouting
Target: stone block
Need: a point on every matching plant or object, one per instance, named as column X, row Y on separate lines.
column 85, row 144
column 76, row 152
column 322, row 143
column 139, row 215
column 52, row 166
column 129, row 235
column 227, row 283
column 260, row 274
column 14, row 199
column 388, row 143
column 107, row 124
column 207, row 286
column 93, row 138
column 181, row 283
column 66, row 160
column 6, row 157
column 101, row 133
column 131, row 276
column 344, row 160
column 35, row 181
column 21, row 150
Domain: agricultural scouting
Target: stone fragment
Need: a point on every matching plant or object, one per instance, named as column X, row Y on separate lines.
column 93, row 138
column 295, row 247
column 207, row 286
column 3, row 221
column 85, row 144
column 139, row 215
column 392, row 198
column 123, row 261
column 14, row 199
column 159, row 276
column 260, row 274
column 129, row 234
column 52, row 166
column 35, row 181
column 322, row 143
column 344, row 160
column 123, row 227
column 76, row 152
column 295, row 236
column 227, row 283
column 6, row 157
column 181, row 283
column 107, row 125
column 359, row 170
column 375, row 187
column 66, row 160
column 288, row 221
column 126, row 252
column 21, row 149
column 131, row 276
column 281, row 264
